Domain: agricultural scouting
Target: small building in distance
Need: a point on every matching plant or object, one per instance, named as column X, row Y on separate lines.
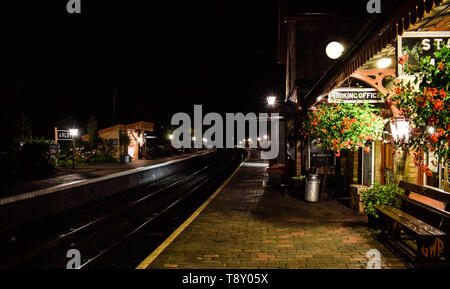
column 138, row 133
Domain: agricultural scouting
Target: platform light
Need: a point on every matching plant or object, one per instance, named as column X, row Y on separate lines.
column 205, row 140
column 193, row 138
column 384, row 62
column 271, row 100
column 170, row 136
column 400, row 128
column 73, row 132
column 334, row 50
column 140, row 140
column 259, row 139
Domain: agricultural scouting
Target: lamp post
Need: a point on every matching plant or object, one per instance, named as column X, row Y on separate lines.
column 271, row 104
column 73, row 133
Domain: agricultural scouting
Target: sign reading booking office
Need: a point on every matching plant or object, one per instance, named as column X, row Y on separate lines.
column 258, row 135
column 355, row 95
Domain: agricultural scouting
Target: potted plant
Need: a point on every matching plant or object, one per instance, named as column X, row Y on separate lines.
column 124, row 141
column 299, row 183
column 377, row 195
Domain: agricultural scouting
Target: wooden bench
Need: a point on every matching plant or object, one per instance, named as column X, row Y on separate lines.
column 429, row 226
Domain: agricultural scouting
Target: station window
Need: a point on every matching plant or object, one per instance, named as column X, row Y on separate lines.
column 437, row 168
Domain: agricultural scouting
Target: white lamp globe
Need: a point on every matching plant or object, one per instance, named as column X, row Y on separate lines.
column 271, row 100
column 73, row 131
column 334, row 50
column 384, row 62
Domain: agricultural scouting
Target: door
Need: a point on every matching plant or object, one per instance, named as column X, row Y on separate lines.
column 367, row 167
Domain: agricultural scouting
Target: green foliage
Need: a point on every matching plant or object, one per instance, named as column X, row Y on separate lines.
column 299, row 178
column 124, row 141
column 23, row 127
column 426, row 102
column 34, row 158
column 102, row 158
column 379, row 195
column 343, row 126
column 83, row 156
column 92, row 128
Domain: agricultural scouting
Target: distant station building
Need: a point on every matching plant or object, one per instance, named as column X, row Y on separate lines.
column 138, row 133
column 372, row 45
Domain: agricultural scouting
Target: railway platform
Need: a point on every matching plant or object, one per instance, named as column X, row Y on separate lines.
column 246, row 225
column 82, row 172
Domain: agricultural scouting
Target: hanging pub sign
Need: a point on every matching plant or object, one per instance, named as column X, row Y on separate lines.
column 425, row 41
column 355, row 95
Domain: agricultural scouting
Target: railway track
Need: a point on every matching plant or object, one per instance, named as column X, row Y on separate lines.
column 120, row 231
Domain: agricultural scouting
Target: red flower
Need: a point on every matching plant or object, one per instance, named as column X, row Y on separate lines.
column 360, row 144
column 334, row 127
column 427, row 171
column 324, row 130
column 442, row 93
column 367, row 149
column 438, row 104
column 433, row 120
column 432, row 91
column 441, row 66
column 338, row 154
column 403, row 59
column 434, row 138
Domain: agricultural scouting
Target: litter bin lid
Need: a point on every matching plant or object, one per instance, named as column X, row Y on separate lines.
column 313, row 177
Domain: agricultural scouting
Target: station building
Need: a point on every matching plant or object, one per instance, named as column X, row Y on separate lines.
column 367, row 38
column 138, row 132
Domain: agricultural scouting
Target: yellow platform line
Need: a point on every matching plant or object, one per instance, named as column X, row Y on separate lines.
column 147, row 261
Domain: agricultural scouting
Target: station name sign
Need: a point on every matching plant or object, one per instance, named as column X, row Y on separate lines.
column 63, row 135
column 355, row 95
column 426, row 41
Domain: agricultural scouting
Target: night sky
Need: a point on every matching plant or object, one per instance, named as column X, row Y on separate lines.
column 162, row 56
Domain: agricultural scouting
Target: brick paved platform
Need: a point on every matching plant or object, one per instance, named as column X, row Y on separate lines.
column 248, row 226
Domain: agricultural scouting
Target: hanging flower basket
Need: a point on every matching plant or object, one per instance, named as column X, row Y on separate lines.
column 337, row 127
column 426, row 102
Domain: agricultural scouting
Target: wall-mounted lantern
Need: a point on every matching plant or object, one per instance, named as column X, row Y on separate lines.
column 400, row 129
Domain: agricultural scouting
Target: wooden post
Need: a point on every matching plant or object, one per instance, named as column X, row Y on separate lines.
column 324, row 185
column 56, row 134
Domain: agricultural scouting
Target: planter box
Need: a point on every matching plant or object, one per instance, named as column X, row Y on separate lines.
column 355, row 197
column 299, row 189
column 277, row 175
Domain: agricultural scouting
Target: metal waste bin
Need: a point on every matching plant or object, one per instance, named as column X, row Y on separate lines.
column 312, row 188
